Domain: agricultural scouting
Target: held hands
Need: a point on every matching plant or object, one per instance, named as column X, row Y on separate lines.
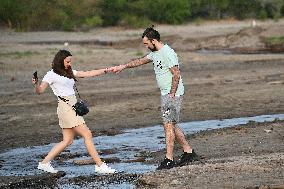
column 115, row 69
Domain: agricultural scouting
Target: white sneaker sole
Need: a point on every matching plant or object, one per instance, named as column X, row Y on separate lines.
column 105, row 172
column 39, row 168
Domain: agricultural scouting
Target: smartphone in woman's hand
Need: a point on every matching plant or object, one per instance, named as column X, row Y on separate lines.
column 35, row 75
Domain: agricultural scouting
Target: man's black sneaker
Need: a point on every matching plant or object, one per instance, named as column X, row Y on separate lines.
column 187, row 158
column 166, row 164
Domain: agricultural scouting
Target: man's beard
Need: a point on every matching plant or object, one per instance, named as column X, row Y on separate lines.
column 154, row 48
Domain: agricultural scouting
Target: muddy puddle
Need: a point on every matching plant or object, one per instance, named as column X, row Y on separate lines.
column 126, row 152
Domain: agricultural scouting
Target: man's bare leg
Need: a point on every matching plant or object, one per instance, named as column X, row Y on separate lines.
column 170, row 139
column 182, row 140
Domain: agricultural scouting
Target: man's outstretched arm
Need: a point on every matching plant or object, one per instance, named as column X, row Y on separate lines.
column 131, row 64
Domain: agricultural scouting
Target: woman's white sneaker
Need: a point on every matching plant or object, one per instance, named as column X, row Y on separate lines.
column 46, row 167
column 104, row 169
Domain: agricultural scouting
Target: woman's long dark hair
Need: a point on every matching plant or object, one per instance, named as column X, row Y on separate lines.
column 58, row 64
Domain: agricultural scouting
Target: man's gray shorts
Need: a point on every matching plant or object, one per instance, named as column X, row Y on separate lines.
column 170, row 108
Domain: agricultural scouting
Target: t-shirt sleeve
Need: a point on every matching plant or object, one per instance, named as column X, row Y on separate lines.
column 150, row 56
column 173, row 59
column 48, row 78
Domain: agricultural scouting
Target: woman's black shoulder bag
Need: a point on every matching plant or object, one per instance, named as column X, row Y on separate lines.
column 80, row 107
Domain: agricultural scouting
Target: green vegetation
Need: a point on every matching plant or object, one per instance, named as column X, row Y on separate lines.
column 17, row 54
column 275, row 40
column 70, row 15
column 139, row 53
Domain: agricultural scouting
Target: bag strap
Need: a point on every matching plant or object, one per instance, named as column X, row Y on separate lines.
column 77, row 90
column 65, row 100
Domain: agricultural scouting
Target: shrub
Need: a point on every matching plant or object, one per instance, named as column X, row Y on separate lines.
column 112, row 11
column 93, row 21
column 69, row 15
column 262, row 15
column 282, row 9
column 168, row 11
column 273, row 8
column 134, row 21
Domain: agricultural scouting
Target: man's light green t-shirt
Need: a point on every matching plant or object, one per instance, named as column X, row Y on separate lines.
column 163, row 60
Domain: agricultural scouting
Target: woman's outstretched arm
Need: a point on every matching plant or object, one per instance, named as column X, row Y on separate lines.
column 92, row 73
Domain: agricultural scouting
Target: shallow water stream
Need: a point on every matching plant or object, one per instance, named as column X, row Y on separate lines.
column 124, row 149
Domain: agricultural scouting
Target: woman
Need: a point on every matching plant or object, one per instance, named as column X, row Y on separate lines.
column 61, row 80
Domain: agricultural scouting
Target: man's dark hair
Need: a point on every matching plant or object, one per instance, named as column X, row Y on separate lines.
column 151, row 33
column 58, row 64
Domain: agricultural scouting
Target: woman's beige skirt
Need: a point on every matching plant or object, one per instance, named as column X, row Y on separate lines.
column 66, row 115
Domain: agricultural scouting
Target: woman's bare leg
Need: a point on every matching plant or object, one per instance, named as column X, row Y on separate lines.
column 85, row 132
column 68, row 135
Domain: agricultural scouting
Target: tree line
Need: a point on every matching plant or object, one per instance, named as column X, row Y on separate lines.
column 70, row 15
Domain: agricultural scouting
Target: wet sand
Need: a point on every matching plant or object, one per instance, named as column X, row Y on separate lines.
column 218, row 85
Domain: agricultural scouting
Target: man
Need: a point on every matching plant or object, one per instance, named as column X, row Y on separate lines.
column 166, row 67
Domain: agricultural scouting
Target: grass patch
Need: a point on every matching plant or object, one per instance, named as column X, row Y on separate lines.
column 52, row 51
column 139, row 53
column 198, row 21
column 19, row 54
column 274, row 40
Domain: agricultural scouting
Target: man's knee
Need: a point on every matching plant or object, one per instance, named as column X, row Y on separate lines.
column 169, row 126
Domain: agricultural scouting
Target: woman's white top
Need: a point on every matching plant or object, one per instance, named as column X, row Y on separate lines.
column 60, row 85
